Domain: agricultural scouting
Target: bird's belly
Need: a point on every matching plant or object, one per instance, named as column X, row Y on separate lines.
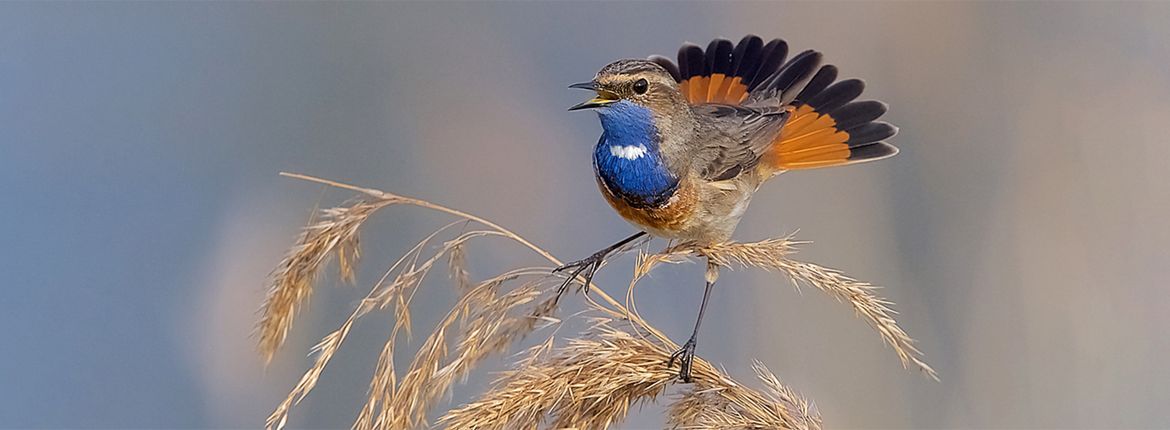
column 693, row 213
column 668, row 220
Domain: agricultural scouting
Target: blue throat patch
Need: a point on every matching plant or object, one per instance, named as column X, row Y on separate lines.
column 627, row 157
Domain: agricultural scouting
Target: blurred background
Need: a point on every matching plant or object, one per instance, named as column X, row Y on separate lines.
column 1022, row 231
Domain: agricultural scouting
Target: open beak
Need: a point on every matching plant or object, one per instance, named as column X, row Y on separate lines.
column 603, row 97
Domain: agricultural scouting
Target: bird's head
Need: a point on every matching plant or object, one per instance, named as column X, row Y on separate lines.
column 636, row 95
column 639, row 82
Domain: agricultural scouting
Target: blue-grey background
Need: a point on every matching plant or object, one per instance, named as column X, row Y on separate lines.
column 1022, row 231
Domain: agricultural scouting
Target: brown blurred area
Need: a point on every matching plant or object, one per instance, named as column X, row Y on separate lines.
column 1021, row 231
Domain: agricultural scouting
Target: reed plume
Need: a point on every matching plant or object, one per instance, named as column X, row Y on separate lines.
column 588, row 381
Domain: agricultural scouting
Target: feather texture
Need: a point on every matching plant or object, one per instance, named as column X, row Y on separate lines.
column 824, row 126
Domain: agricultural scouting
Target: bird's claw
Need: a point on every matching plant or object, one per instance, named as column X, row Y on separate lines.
column 586, row 267
column 686, row 358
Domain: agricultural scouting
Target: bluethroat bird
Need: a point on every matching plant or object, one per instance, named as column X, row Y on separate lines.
column 685, row 146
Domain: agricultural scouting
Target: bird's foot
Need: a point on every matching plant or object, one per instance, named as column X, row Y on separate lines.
column 585, row 267
column 685, row 357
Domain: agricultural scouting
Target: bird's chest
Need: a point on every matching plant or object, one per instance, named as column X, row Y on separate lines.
column 628, row 159
column 634, row 176
column 634, row 172
column 637, row 183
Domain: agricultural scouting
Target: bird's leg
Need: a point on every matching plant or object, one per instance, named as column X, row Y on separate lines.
column 686, row 354
column 588, row 266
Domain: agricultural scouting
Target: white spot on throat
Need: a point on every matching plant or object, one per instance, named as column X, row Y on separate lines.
column 629, row 152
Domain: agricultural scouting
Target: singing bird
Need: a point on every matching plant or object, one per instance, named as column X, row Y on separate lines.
column 685, row 146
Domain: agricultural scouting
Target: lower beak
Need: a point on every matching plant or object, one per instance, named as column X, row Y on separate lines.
column 603, row 97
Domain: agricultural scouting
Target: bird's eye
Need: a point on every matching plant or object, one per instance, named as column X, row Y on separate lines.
column 641, row 86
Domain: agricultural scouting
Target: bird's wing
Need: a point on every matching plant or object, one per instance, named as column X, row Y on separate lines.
column 732, row 139
column 825, row 127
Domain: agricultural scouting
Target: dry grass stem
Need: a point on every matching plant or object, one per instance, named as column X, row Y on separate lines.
column 772, row 254
column 491, row 323
column 292, row 281
column 595, row 380
column 399, row 291
column 590, row 381
column 731, row 406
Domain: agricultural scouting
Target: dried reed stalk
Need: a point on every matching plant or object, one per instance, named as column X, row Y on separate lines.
column 292, row 281
column 593, row 381
column 589, row 382
column 772, row 254
column 732, row 406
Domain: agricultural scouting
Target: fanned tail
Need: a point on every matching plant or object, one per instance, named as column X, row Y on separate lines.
column 827, row 128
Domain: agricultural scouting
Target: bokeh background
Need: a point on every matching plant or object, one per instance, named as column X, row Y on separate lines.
column 1022, row 231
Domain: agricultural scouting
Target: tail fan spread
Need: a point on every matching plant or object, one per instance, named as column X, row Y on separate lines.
column 825, row 127
column 725, row 73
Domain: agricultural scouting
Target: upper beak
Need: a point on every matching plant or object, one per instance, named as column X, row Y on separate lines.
column 603, row 97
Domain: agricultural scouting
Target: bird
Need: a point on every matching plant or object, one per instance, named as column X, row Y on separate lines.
column 686, row 145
